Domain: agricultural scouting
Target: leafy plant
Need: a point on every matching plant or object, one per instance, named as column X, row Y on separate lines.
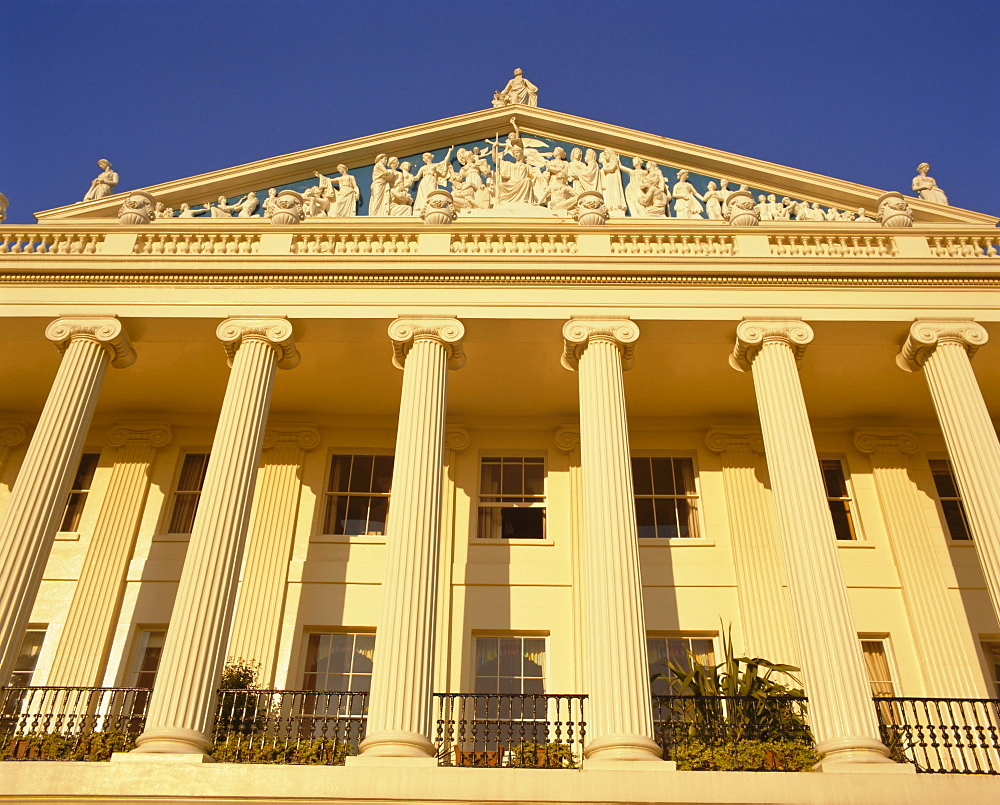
column 96, row 746
column 241, row 708
column 237, row 748
column 542, row 754
column 747, row 755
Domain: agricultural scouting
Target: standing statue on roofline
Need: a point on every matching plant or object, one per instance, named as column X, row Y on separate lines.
column 518, row 90
column 925, row 187
column 104, row 184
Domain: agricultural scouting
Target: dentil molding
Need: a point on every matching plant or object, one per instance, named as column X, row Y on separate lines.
column 925, row 336
column 578, row 333
column 275, row 331
column 447, row 332
column 106, row 331
column 752, row 334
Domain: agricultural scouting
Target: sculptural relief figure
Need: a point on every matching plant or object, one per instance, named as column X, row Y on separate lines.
column 611, row 184
column 772, row 208
column 686, row 204
column 247, row 205
column 346, row 196
column 498, row 100
column 845, row 215
column 863, row 218
column 519, row 90
column 633, row 191
column 400, row 200
column 430, row 176
column 558, row 195
column 188, row 212
column 315, row 203
column 925, row 187
column 724, row 191
column 267, row 205
column 714, row 201
column 784, row 210
column 575, row 166
column 468, row 188
column 161, row 211
column 515, row 180
column 382, row 181
column 763, row 208
column 104, row 184
column 222, row 209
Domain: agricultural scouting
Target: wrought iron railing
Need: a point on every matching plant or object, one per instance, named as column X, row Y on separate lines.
column 950, row 736
column 63, row 723
column 734, row 733
column 289, row 726
column 538, row 731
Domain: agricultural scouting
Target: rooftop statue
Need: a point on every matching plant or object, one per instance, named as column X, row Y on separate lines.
column 518, row 90
column 925, row 187
column 3, row 208
column 104, row 184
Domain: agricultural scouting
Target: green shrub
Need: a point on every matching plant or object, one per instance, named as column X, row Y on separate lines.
column 97, row 746
column 239, row 748
column 541, row 754
column 749, row 755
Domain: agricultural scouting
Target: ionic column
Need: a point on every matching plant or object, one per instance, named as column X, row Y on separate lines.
column 399, row 713
column 935, row 629
column 944, row 349
column 261, row 602
column 183, row 701
column 840, row 698
column 30, row 519
column 764, row 607
column 619, row 715
column 83, row 648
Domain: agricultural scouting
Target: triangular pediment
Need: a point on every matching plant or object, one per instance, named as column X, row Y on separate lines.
column 297, row 171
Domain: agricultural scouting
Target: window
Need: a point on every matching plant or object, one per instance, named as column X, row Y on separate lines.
column 27, row 659
column 357, row 495
column 666, row 501
column 991, row 648
column 950, row 500
column 339, row 661
column 512, row 498
column 838, row 497
column 146, row 659
column 78, row 491
column 510, row 665
column 877, row 662
column 188, row 493
column 661, row 650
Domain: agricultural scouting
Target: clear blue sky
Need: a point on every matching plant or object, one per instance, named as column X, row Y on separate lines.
column 863, row 91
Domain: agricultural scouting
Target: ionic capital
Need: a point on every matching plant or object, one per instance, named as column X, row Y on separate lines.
column 752, row 334
column 578, row 333
column 305, row 435
column 12, row 433
column 446, row 332
column 106, row 331
column 155, row 434
column 734, row 439
column 926, row 336
column 568, row 438
column 869, row 440
column 456, row 437
column 276, row 332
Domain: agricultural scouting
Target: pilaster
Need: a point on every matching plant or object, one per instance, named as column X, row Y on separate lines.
column 261, row 602
column 620, row 725
column 934, row 626
column 567, row 439
column 179, row 719
column 841, row 711
column 82, row 653
column 31, row 516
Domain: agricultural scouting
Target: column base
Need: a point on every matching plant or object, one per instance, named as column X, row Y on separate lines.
column 626, row 748
column 398, row 745
column 172, row 741
column 854, row 755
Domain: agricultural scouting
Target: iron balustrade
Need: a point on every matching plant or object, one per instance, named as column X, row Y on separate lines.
column 70, row 723
column 733, row 732
column 943, row 736
column 289, row 726
column 535, row 731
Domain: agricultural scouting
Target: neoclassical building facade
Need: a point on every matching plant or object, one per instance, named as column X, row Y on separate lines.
column 442, row 411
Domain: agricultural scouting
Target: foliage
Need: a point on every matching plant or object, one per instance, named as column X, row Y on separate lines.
column 542, row 754
column 240, row 708
column 96, row 746
column 240, row 674
column 747, row 755
column 240, row 748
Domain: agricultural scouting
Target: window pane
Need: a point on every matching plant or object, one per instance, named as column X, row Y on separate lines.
column 642, row 477
column 193, row 472
column 991, row 648
column 833, row 477
column 877, row 664
column 377, row 513
column 341, row 653
column 490, row 480
column 74, row 509
column 666, row 518
column 645, row 519
column 523, row 523
column 944, row 479
column 663, row 476
column 510, row 656
column 840, row 511
column 357, row 515
column 513, row 478
column 182, row 518
column 954, row 515
column 361, row 474
column 340, row 473
column 487, row 651
column 27, row 658
column 684, row 476
column 490, row 523
column 382, row 474
column 684, row 519
column 534, row 478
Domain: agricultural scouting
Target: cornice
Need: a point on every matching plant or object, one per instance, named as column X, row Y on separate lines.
column 447, row 332
column 277, row 332
column 752, row 334
column 106, row 331
column 155, row 434
column 578, row 333
column 926, row 335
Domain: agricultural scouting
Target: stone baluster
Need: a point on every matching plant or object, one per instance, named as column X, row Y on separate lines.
column 179, row 720
column 840, row 697
column 85, row 641
column 619, row 715
column 944, row 350
column 399, row 714
column 261, row 602
column 765, row 610
column 30, row 519
column 934, row 626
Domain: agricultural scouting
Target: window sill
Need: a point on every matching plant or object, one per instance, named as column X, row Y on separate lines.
column 68, row 536
column 511, row 542
column 171, row 537
column 673, row 542
column 357, row 539
column 852, row 544
column 961, row 543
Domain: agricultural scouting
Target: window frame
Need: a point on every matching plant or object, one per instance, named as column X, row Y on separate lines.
column 171, row 501
column 853, row 511
column 34, row 628
column 938, row 502
column 320, row 631
column 140, row 642
column 522, row 635
column 480, row 504
column 702, row 538
column 991, row 673
column 319, row 515
column 74, row 533
column 890, row 661
column 687, row 636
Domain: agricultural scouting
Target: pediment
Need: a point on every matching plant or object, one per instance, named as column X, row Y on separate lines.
column 549, row 129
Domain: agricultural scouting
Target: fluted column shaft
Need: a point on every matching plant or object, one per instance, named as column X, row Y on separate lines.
column 619, row 715
column 31, row 517
column 944, row 350
column 93, row 613
column 261, row 601
column 840, row 699
column 764, row 607
column 934, row 626
column 399, row 713
column 181, row 708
